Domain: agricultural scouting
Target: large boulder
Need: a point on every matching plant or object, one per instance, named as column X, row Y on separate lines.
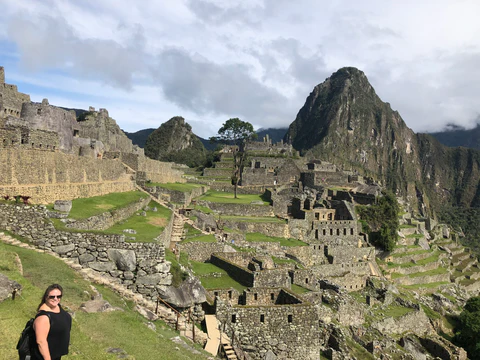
column 8, row 287
column 189, row 293
column 102, row 266
column 63, row 205
column 125, row 260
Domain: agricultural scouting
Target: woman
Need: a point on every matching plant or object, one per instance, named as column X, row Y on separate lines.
column 52, row 325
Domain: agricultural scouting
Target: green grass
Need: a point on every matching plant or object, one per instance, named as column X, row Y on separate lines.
column 396, row 311
column 213, row 277
column 201, row 238
column 86, row 207
column 297, row 289
column 417, row 252
column 437, row 271
column 147, row 227
column 280, row 261
column 257, row 237
column 91, row 334
column 254, row 219
column 203, row 209
column 228, row 198
column 432, row 314
column 183, row 187
column 433, row 285
column 425, row 261
column 190, row 230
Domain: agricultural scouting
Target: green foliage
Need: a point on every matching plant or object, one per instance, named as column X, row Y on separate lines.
column 237, row 133
column 463, row 219
column 92, row 334
column 382, row 221
column 85, row 207
column 162, row 144
column 467, row 333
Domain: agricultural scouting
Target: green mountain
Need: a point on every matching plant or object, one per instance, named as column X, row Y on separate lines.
column 139, row 137
column 458, row 136
column 345, row 122
column 174, row 141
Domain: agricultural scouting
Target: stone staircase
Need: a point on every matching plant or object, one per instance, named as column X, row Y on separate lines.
column 178, row 233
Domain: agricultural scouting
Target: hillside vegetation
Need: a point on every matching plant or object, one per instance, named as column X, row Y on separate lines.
column 94, row 335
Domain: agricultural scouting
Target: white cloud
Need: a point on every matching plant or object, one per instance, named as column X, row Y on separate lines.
column 208, row 60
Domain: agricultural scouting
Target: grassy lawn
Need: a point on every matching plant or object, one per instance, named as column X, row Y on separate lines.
column 86, row 207
column 203, row 209
column 227, row 198
column 190, row 230
column 183, row 187
column 416, row 252
column 257, row 237
column 425, row 261
column 200, row 238
column 395, row 311
column 147, row 227
column 91, row 334
column 213, row 277
column 254, row 219
column 297, row 289
column 437, row 271
column 425, row 286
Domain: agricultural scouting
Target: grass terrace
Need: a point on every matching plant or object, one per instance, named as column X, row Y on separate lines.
column 257, row 237
column 433, row 285
column 85, row 207
column 200, row 238
column 254, row 219
column 147, row 227
column 228, row 198
column 213, row 277
column 92, row 334
column 182, row 187
column 428, row 260
column 416, row 252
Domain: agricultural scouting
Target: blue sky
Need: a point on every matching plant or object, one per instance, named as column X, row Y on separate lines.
column 210, row 60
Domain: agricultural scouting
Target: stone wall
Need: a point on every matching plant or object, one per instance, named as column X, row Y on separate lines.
column 200, row 251
column 42, row 116
column 272, row 278
column 269, row 229
column 278, row 329
column 109, row 218
column 175, row 196
column 139, row 266
column 10, row 99
column 427, row 279
column 415, row 322
column 47, row 176
column 235, row 209
column 238, row 273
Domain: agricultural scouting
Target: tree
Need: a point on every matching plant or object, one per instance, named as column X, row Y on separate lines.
column 468, row 332
column 236, row 133
column 382, row 221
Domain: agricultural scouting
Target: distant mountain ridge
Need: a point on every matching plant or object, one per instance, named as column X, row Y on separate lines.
column 344, row 122
column 459, row 137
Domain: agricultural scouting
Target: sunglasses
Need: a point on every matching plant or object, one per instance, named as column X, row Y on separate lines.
column 51, row 297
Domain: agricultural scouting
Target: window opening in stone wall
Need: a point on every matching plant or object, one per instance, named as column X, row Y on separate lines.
column 272, row 296
column 338, row 231
column 317, row 216
column 351, row 231
column 316, row 236
column 33, row 145
column 230, row 294
column 255, row 296
column 290, row 318
column 345, row 231
column 234, row 318
column 39, row 111
column 331, row 231
column 324, row 232
column 75, row 133
column 262, row 318
column 306, row 281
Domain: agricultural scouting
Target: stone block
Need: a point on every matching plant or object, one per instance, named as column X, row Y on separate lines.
column 125, row 260
column 63, row 249
column 63, row 205
column 102, row 266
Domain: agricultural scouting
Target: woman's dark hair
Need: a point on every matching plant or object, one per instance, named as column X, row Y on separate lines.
column 45, row 295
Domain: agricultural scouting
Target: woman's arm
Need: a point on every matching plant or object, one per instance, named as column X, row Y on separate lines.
column 41, row 326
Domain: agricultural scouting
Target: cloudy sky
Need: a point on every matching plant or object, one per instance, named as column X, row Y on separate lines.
column 209, row 60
